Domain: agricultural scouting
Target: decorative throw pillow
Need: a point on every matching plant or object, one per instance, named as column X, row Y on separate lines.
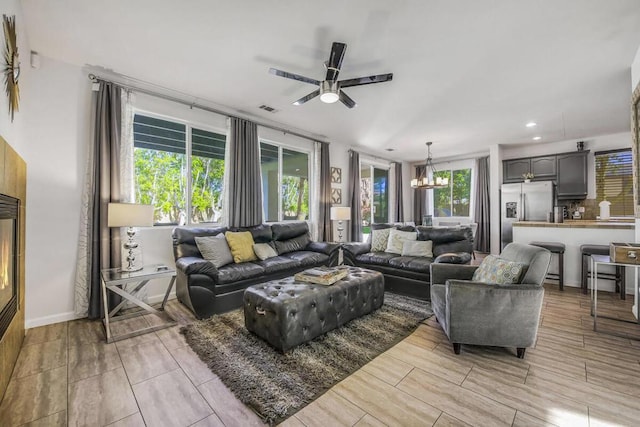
column 379, row 239
column 264, row 251
column 397, row 239
column 418, row 248
column 241, row 245
column 214, row 249
column 498, row 271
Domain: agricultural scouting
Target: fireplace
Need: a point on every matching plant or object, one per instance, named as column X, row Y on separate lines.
column 8, row 261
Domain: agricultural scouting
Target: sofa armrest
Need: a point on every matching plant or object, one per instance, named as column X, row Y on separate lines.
column 195, row 265
column 357, row 248
column 440, row 273
column 454, row 258
column 323, row 247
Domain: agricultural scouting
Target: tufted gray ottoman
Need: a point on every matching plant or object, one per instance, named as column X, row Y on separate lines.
column 286, row 312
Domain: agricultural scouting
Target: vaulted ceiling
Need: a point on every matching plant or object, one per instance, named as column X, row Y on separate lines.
column 467, row 73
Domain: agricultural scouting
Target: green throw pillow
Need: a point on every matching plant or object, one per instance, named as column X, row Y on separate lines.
column 498, row 271
column 379, row 239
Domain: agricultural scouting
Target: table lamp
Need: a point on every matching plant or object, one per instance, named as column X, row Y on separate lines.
column 130, row 215
column 340, row 213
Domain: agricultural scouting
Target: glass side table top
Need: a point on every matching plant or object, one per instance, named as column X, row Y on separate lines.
column 113, row 274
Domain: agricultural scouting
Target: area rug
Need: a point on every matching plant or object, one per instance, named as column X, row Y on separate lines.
column 276, row 385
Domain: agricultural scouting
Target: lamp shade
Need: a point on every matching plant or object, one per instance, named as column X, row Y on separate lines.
column 129, row 215
column 341, row 213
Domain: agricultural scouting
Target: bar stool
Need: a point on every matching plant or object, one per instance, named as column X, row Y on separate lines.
column 555, row 248
column 618, row 276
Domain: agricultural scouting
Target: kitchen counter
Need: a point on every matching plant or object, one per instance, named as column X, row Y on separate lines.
column 617, row 225
column 574, row 233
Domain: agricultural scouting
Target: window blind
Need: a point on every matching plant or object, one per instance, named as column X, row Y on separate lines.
column 164, row 135
column 614, row 180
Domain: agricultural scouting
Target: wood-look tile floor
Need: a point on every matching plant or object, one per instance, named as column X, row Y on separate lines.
column 67, row 375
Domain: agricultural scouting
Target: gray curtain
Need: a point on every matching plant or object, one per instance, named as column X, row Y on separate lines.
column 482, row 205
column 103, row 249
column 325, row 231
column 245, row 185
column 419, row 199
column 398, row 208
column 354, row 196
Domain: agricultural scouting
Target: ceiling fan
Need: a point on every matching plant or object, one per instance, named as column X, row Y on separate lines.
column 330, row 89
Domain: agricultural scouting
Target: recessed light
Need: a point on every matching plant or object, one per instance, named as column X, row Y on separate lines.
column 531, row 124
column 537, row 138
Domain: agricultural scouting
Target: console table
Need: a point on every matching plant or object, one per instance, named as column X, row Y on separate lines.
column 114, row 280
column 600, row 260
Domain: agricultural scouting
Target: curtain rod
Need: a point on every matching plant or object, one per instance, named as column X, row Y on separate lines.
column 133, row 88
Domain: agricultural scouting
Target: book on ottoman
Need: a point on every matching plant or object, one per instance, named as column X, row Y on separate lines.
column 322, row 275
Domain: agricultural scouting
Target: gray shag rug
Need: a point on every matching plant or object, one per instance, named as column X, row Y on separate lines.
column 277, row 385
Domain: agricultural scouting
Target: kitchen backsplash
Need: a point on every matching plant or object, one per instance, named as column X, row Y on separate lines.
column 591, row 208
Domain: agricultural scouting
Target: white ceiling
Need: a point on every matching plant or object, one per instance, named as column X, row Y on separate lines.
column 467, row 73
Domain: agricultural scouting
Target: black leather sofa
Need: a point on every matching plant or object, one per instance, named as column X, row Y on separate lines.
column 208, row 290
column 410, row 275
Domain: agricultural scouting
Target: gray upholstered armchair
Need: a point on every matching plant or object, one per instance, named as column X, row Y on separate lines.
column 488, row 314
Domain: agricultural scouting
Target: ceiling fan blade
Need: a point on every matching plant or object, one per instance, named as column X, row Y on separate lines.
column 359, row 81
column 307, row 97
column 346, row 100
column 335, row 60
column 293, row 76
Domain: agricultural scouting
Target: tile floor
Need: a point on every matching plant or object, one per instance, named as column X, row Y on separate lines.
column 67, row 375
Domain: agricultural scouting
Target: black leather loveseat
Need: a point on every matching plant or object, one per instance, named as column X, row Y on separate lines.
column 410, row 275
column 208, row 290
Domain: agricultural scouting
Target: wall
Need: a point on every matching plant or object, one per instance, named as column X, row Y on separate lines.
column 635, row 80
column 635, row 71
column 13, row 132
column 57, row 104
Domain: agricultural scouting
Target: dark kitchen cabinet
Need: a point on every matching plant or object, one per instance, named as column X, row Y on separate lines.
column 572, row 175
column 513, row 169
column 543, row 167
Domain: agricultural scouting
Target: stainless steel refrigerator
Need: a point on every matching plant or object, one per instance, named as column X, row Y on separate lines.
column 526, row 201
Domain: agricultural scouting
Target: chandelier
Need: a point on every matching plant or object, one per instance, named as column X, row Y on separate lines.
column 428, row 178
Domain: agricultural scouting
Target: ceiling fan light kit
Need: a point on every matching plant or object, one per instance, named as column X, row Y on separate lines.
column 330, row 89
column 428, row 179
column 329, row 92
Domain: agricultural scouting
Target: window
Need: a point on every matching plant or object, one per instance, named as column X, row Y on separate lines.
column 285, row 183
column 614, row 180
column 374, row 196
column 174, row 182
column 453, row 200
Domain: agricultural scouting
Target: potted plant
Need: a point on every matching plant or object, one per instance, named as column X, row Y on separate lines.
column 528, row 176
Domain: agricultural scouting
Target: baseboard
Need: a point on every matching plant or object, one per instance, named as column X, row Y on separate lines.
column 49, row 320
column 65, row 317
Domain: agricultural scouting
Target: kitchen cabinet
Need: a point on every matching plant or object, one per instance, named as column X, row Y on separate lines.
column 543, row 168
column 572, row 175
column 513, row 169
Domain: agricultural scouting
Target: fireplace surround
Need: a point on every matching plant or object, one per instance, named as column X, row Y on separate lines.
column 9, row 208
column 13, row 185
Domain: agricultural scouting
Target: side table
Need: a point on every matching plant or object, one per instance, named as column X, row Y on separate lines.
column 599, row 260
column 114, row 280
